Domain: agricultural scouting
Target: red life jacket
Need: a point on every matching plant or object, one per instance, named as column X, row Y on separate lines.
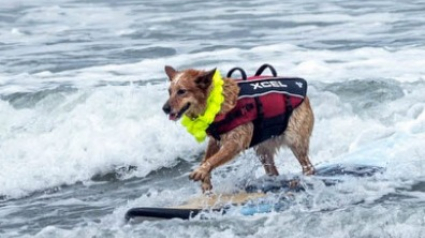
column 266, row 101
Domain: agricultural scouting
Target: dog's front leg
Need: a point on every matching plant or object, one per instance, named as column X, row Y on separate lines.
column 226, row 153
column 212, row 148
column 232, row 143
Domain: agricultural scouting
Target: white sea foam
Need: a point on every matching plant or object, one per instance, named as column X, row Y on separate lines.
column 69, row 138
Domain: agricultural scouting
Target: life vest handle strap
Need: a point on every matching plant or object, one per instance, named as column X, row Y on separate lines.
column 289, row 107
column 241, row 71
column 265, row 66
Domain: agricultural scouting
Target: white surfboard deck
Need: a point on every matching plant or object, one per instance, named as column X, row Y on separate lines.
column 216, row 201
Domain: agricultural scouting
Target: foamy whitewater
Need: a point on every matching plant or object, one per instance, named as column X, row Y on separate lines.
column 83, row 137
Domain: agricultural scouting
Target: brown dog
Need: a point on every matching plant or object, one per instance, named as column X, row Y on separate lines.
column 189, row 90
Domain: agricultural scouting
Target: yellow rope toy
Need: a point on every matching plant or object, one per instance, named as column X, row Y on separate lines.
column 199, row 125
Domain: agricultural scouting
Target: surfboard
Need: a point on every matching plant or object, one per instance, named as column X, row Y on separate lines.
column 255, row 190
column 206, row 203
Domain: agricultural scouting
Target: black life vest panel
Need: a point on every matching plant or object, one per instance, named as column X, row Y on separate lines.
column 266, row 101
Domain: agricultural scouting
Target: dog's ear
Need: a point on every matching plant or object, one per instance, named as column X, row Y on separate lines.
column 170, row 71
column 204, row 81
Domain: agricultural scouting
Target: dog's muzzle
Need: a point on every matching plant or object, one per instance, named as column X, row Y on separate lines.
column 166, row 108
column 174, row 116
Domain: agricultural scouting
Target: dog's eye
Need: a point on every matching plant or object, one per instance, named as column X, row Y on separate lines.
column 181, row 92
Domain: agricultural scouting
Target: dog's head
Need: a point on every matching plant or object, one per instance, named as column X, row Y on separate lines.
column 188, row 92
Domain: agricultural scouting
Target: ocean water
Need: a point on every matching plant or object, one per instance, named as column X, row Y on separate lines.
column 83, row 137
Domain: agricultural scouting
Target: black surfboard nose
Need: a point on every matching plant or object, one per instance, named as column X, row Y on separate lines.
column 167, row 213
column 163, row 213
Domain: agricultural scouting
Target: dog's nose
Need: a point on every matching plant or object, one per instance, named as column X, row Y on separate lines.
column 166, row 108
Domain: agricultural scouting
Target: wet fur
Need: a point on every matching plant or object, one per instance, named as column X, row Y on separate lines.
column 198, row 85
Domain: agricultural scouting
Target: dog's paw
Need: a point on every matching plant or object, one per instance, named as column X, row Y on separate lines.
column 206, row 186
column 199, row 174
column 308, row 170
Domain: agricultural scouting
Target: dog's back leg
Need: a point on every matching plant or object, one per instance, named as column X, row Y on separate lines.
column 266, row 152
column 297, row 135
column 301, row 153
